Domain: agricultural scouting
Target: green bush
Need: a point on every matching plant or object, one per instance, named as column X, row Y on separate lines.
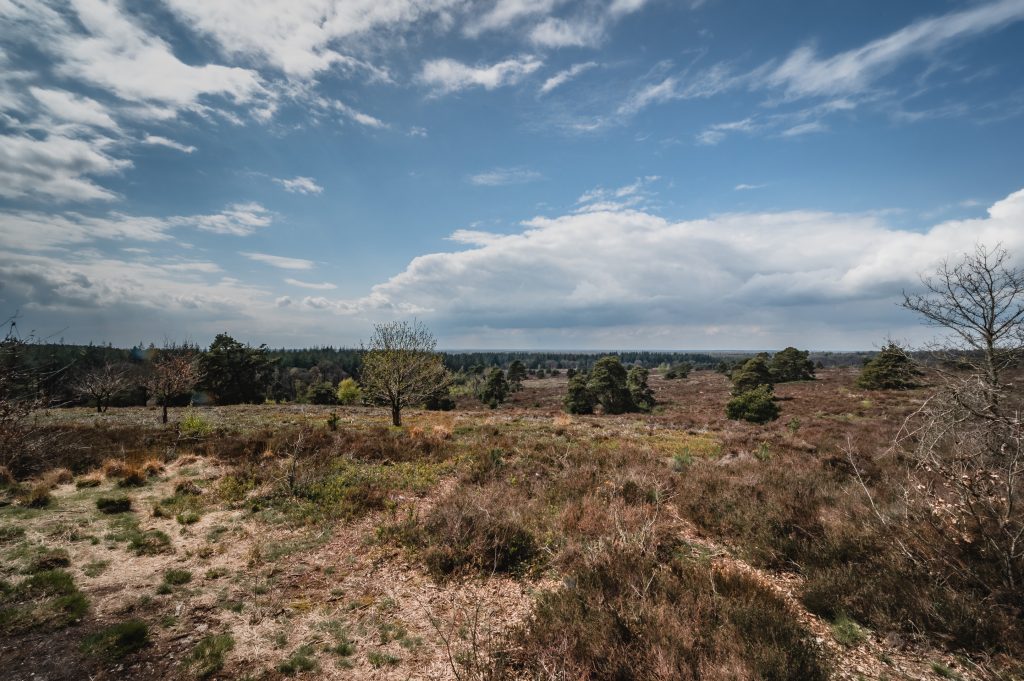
column 754, row 373
column 756, row 405
column 792, row 365
column 890, row 369
column 349, row 392
column 118, row 641
column 113, row 505
column 194, row 425
column 177, row 576
column 207, row 658
column 578, row 399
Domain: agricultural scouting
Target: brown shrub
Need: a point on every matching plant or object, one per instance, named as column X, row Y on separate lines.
column 114, row 468
column 132, row 476
column 6, row 477
column 153, row 467
column 94, row 479
column 476, row 529
column 645, row 611
column 55, row 477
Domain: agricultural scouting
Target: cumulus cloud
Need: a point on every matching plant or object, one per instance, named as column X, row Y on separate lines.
column 629, row 267
column 448, row 75
column 299, row 185
column 281, row 262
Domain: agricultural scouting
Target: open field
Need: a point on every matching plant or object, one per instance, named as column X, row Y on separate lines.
column 512, row 543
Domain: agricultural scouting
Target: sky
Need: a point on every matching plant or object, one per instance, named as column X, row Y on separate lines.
column 517, row 174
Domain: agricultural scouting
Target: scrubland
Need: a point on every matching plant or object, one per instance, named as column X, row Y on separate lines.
column 274, row 541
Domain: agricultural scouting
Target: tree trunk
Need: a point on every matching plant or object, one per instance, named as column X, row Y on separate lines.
column 165, row 411
column 99, row 405
column 396, row 415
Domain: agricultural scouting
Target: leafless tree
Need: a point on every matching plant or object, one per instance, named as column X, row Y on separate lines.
column 23, row 440
column 101, row 383
column 979, row 300
column 968, row 438
column 401, row 367
column 174, row 370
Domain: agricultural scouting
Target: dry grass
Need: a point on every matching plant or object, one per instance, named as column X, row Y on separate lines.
column 478, row 543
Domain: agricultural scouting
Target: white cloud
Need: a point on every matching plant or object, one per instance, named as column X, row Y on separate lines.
column 804, row 74
column 358, row 116
column 504, row 13
column 41, row 231
column 565, row 76
column 497, row 177
column 559, row 32
column 73, row 108
column 449, row 75
column 805, row 129
column 55, row 167
column 281, row 262
column 303, row 38
column 747, row 187
column 603, row 269
column 631, row 195
column 300, row 185
column 323, row 286
column 239, row 219
column 718, row 132
column 159, row 141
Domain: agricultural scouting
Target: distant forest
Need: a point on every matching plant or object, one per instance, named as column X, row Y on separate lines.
column 294, row 370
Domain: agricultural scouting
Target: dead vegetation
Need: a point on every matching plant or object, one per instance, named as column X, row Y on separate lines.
column 486, row 544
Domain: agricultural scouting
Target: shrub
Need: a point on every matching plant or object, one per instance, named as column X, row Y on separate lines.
column 753, row 374
column 37, row 496
column 495, row 388
column 118, row 641
column 49, row 559
column 681, row 370
column 6, row 477
column 792, row 365
column 321, row 393
column 194, row 425
column 890, row 369
column 301, row 660
column 90, row 480
column 642, row 612
column 640, row 393
column 177, row 576
column 756, row 406
column 349, row 392
column 49, row 598
column 113, row 505
column 578, row 399
column 153, row 467
column 476, row 530
column 207, row 658
column 133, row 476
column 607, row 384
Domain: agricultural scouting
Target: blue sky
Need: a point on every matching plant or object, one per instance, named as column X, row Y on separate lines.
column 517, row 174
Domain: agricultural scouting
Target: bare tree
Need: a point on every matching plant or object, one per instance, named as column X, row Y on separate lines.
column 24, row 442
column 101, row 383
column 980, row 301
column 968, row 437
column 174, row 371
column 401, row 367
